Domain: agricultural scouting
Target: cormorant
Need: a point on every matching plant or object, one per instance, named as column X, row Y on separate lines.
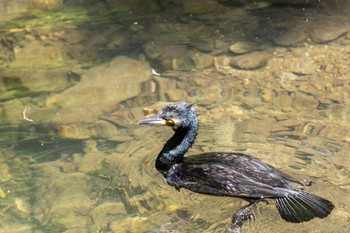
column 229, row 174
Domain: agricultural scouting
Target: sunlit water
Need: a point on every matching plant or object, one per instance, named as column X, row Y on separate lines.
column 75, row 80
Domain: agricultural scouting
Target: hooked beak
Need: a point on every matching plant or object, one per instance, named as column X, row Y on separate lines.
column 153, row 120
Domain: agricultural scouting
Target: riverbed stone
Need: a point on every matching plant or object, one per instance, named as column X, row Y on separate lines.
column 202, row 60
column 329, row 28
column 249, row 61
column 301, row 65
column 38, row 80
column 222, row 61
column 192, row 6
column 60, row 195
column 40, row 53
column 98, row 92
column 182, row 63
column 304, row 102
column 293, row 36
column 106, row 213
column 241, row 47
column 5, row 174
column 176, row 95
column 91, row 160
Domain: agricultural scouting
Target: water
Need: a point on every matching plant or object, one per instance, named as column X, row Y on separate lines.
column 267, row 80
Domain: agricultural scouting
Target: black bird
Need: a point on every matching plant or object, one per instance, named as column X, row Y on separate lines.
column 229, row 174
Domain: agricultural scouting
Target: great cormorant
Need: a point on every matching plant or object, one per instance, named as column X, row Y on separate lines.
column 229, row 174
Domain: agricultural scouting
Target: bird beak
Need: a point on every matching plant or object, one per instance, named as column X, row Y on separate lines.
column 153, row 120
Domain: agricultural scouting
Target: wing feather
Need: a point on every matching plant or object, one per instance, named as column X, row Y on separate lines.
column 229, row 174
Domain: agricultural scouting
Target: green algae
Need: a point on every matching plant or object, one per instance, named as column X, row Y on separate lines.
column 13, row 89
column 72, row 17
column 41, row 19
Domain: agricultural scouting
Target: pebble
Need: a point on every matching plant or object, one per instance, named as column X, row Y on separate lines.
column 106, row 212
column 2, row 193
column 21, row 205
column 220, row 46
column 202, row 46
column 5, row 172
column 152, row 50
column 309, row 89
column 222, row 61
column 242, row 47
column 335, row 97
column 285, row 101
column 291, row 37
column 72, row 37
column 181, row 64
column 249, row 61
column 300, row 65
column 304, row 102
column 331, row 28
column 202, row 60
column 267, row 95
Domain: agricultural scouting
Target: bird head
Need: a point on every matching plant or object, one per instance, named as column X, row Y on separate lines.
column 176, row 115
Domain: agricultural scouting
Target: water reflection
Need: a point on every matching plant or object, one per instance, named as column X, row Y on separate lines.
column 268, row 80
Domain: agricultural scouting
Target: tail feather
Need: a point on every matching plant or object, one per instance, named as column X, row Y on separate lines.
column 302, row 207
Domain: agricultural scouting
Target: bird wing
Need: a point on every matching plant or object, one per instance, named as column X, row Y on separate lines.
column 229, row 174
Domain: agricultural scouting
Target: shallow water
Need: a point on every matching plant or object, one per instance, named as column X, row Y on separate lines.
column 268, row 80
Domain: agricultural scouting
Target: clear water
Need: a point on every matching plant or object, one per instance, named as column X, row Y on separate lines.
column 77, row 77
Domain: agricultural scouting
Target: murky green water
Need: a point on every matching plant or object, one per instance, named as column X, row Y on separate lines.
column 268, row 80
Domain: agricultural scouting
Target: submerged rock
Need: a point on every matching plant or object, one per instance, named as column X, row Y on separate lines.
column 91, row 161
column 4, row 171
column 97, row 129
column 35, row 81
column 293, row 36
column 202, row 60
column 329, row 28
column 98, row 92
column 250, row 61
column 302, row 65
column 106, row 213
column 176, row 95
column 242, row 47
column 63, row 199
column 43, row 53
column 17, row 228
column 10, row 10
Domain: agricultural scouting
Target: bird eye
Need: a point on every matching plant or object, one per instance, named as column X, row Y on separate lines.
column 167, row 117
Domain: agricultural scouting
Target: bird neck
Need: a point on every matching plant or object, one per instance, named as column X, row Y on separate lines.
column 176, row 147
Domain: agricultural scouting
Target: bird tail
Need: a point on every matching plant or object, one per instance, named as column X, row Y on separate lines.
column 302, row 207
